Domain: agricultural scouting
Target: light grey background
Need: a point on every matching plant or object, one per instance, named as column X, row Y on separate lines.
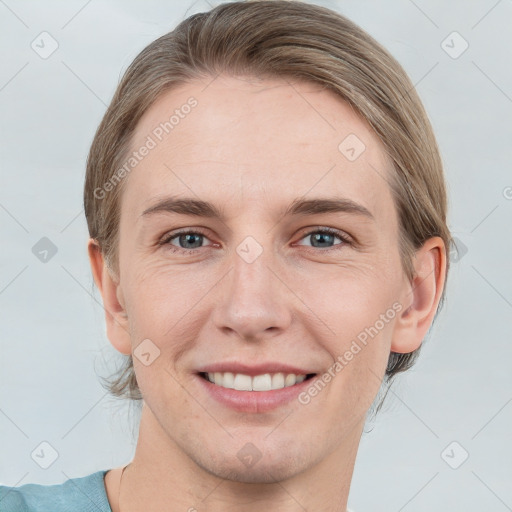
column 53, row 343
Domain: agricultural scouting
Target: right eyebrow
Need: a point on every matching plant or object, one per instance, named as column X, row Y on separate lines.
column 184, row 206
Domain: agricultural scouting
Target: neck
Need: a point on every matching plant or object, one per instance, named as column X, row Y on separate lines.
column 163, row 477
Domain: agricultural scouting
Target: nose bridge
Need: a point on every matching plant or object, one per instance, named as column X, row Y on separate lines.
column 252, row 300
column 252, row 262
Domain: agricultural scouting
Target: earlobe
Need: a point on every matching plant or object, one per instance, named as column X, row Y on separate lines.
column 421, row 296
column 116, row 318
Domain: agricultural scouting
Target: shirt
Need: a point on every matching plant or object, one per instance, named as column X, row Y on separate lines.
column 85, row 494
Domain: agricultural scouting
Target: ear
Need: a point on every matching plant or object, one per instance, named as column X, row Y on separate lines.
column 116, row 317
column 421, row 296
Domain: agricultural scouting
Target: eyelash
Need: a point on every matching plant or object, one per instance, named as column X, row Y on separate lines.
column 324, row 230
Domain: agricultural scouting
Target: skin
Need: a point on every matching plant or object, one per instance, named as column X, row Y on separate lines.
column 251, row 147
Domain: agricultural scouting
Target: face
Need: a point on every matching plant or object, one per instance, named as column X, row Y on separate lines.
column 263, row 285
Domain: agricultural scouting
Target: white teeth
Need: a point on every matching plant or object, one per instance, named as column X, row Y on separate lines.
column 289, row 380
column 277, row 381
column 265, row 382
column 262, row 382
column 243, row 382
column 227, row 379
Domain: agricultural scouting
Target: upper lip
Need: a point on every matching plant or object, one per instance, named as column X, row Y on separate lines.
column 255, row 369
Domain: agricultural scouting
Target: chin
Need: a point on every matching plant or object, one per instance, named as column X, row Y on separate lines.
column 247, row 466
column 260, row 473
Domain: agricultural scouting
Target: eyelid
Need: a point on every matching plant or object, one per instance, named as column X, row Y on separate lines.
column 345, row 238
column 167, row 237
column 342, row 235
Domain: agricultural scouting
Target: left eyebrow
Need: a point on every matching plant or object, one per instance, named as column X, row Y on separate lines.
column 327, row 205
column 198, row 208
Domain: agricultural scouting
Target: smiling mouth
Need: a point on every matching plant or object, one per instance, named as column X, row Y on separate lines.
column 264, row 382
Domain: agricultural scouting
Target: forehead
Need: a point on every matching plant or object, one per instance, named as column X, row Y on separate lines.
column 268, row 140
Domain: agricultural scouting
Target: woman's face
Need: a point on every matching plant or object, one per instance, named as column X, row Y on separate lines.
column 259, row 285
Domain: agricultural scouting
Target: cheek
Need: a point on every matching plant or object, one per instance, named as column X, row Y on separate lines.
column 160, row 292
column 359, row 309
column 159, row 300
column 349, row 298
column 360, row 356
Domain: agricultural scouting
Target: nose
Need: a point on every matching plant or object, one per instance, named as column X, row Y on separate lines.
column 254, row 302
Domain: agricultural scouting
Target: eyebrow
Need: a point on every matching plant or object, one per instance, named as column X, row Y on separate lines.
column 198, row 208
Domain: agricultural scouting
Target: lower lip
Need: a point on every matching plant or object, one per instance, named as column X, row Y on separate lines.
column 254, row 401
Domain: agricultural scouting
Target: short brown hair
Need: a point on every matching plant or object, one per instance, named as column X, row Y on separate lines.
column 288, row 39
